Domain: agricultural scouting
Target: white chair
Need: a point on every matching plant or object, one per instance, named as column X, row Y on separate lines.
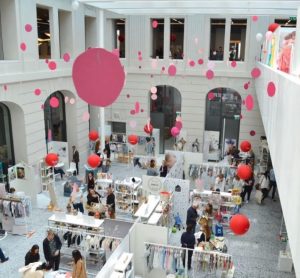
column 72, row 169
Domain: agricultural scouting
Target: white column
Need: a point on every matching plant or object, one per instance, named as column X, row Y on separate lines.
column 102, row 112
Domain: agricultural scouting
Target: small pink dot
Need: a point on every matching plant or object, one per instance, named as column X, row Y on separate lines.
column 255, row 73
column 139, row 53
column 154, row 24
column 66, row 57
column 163, row 69
column 252, row 132
column 192, row 63
column 54, row 102
column 233, row 64
column 128, row 95
column 52, row 65
column 142, row 110
column 271, row 89
column 200, row 61
column 46, row 61
column 254, row 18
column 42, row 106
column 23, row 46
column 5, row 87
column 211, row 96
column 28, row 27
column 132, row 112
column 37, row 92
column 210, row 74
column 140, row 58
column 246, row 86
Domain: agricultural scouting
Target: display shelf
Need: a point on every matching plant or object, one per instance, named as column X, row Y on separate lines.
column 123, row 267
column 146, row 209
column 47, row 175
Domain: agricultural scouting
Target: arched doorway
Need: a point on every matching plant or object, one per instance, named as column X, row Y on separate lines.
column 7, row 156
column 222, row 117
column 55, row 119
column 163, row 112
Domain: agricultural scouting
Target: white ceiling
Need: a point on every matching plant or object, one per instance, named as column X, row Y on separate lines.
column 164, row 7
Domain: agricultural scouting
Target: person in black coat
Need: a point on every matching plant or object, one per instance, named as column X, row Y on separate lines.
column 52, row 246
column 192, row 215
column 76, row 159
column 32, row 255
column 188, row 241
column 110, row 199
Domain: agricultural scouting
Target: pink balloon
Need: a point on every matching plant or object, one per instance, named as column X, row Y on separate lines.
column 98, row 77
column 246, row 86
column 252, row 132
column 211, row 96
column 254, row 18
column 116, row 52
column 23, row 46
column 54, row 102
column 154, row 97
column 192, row 63
column 178, row 125
column 28, row 27
column 37, row 92
column 271, row 89
column 140, row 58
column 269, row 35
column 72, row 100
column 233, row 64
column 85, row 116
column 200, row 61
column 52, row 65
column 249, row 102
column 255, row 73
column 132, row 124
column 66, row 57
column 175, row 131
column 132, row 112
column 139, row 53
column 172, row 70
column 210, row 74
column 153, row 90
column 154, row 24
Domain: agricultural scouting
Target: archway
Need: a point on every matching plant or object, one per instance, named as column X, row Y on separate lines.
column 163, row 112
column 222, row 119
column 12, row 136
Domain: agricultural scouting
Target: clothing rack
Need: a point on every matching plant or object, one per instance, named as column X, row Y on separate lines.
column 222, row 261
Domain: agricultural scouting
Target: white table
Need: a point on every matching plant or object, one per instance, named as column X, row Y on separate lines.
column 82, row 220
column 146, row 210
column 153, row 220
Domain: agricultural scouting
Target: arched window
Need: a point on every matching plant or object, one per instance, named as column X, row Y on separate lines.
column 6, row 139
column 163, row 112
column 55, row 119
column 223, row 111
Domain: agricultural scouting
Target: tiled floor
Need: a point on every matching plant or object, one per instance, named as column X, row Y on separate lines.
column 255, row 254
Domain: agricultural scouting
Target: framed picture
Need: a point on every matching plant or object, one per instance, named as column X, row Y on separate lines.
column 20, row 172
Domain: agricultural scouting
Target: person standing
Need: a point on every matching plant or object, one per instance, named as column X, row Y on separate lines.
column 77, row 199
column 192, row 215
column 79, row 270
column 264, row 185
column 247, row 189
column 51, row 247
column 110, row 199
column 107, row 148
column 163, row 170
column 152, row 171
column 188, row 241
column 32, row 255
column 273, row 183
column 76, row 159
column 91, row 180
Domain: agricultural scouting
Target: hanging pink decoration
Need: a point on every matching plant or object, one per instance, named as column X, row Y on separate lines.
column 154, row 24
column 249, row 102
column 153, row 90
column 66, row 57
column 175, row 131
column 5, row 87
column 37, row 92
column 163, row 69
column 132, row 112
column 28, row 27
column 233, row 64
column 210, row 74
column 211, row 96
column 246, row 86
column 154, row 97
column 200, row 61
column 23, row 46
column 254, row 18
column 128, row 95
column 271, row 89
column 255, row 73
column 172, row 70
column 54, row 102
column 49, row 138
column 192, row 63
column 252, row 132
column 98, row 77
column 178, row 125
column 52, row 65
column 140, row 58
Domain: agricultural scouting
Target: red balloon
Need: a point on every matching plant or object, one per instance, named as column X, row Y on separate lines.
column 93, row 135
column 94, row 161
column 148, row 128
column 51, row 159
column 239, row 224
column 244, row 171
column 272, row 27
column 132, row 139
column 245, row 146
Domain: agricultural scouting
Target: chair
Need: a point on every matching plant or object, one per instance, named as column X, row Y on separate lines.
column 72, row 169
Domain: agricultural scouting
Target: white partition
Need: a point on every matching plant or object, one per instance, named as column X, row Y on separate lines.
column 280, row 116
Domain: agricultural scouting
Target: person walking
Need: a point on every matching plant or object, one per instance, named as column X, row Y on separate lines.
column 247, row 189
column 32, row 255
column 110, row 202
column 192, row 215
column 188, row 241
column 273, row 183
column 51, row 247
column 79, row 270
column 77, row 199
column 264, row 185
column 76, row 158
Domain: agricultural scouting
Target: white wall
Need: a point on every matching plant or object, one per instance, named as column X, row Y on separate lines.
column 280, row 116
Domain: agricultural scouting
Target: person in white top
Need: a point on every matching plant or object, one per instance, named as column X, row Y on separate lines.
column 77, row 199
column 220, row 183
column 237, row 183
column 264, row 185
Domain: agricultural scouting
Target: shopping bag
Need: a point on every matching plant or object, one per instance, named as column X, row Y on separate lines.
column 258, row 196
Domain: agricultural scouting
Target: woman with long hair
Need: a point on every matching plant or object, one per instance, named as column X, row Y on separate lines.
column 32, row 255
column 79, row 270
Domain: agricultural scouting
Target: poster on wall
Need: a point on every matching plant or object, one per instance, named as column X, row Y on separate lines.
column 228, row 144
column 61, row 148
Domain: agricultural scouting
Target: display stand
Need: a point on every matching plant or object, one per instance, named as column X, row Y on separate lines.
column 47, row 175
column 124, row 267
column 15, row 220
column 103, row 181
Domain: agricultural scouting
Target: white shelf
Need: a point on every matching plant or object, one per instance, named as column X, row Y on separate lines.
column 82, row 220
column 146, row 210
column 154, row 219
